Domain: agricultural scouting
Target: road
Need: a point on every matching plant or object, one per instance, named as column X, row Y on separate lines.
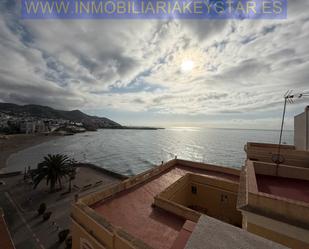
column 21, row 232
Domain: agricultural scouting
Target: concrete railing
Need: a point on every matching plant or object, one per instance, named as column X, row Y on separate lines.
column 295, row 212
column 101, row 230
column 9, row 174
column 251, row 178
column 210, row 167
column 177, row 209
column 126, row 184
column 102, row 170
column 266, row 153
column 281, row 170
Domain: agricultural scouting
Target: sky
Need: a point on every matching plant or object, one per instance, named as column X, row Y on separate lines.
column 211, row 73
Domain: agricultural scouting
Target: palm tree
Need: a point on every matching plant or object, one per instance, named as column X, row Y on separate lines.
column 53, row 168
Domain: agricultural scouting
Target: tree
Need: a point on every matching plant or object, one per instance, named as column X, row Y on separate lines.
column 42, row 209
column 62, row 235
column 53, row 168
column 68, row 242
column 46, row 216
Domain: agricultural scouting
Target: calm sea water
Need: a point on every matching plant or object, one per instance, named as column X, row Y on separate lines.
column 132, row 151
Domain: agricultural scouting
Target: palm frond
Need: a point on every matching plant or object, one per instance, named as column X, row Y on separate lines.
column 53, row 168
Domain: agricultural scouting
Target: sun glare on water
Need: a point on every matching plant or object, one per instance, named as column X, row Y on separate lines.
column 187, row 66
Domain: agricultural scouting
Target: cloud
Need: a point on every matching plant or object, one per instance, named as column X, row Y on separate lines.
column 135, row 66
column 204, row 29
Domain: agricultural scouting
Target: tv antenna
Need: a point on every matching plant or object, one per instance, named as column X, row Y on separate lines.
column 290, row 98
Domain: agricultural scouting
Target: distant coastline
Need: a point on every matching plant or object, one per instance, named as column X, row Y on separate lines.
column 137, row 128
column 36, row 119
column 249, row 129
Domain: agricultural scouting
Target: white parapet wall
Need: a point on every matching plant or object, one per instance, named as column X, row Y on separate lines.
column 301, row 130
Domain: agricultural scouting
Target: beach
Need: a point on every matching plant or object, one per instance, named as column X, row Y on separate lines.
column 10, row 144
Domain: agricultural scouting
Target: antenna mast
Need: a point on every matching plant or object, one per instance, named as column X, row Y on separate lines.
column 288, row 98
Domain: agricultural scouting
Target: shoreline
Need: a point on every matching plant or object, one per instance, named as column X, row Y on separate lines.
column 10, row 144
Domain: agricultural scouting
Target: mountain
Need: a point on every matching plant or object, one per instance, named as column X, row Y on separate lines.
column 90, row 122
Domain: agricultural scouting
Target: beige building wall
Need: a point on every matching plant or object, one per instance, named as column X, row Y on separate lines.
column 301, row 130
column 277, row 237
column 215, row 198
column 83, row 240
column 218, row 203
column 280, row 232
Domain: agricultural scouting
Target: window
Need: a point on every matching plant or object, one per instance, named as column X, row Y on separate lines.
column 193, row 189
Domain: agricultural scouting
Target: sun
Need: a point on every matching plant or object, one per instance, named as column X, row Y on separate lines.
column 187, row 66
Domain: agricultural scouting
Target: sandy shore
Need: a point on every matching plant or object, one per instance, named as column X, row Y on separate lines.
column 14, row 143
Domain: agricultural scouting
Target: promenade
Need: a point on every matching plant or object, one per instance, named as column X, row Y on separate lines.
column 20, row 203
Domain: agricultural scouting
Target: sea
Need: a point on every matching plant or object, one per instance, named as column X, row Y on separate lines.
column 130, row 152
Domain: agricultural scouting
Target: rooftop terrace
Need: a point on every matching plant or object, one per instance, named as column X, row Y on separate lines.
column 280, row 192
column 274, row 198
column 126, row 215
column 290, row 188
column 133, row 211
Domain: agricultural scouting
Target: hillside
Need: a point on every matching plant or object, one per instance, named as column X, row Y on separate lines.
column 90, row 122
